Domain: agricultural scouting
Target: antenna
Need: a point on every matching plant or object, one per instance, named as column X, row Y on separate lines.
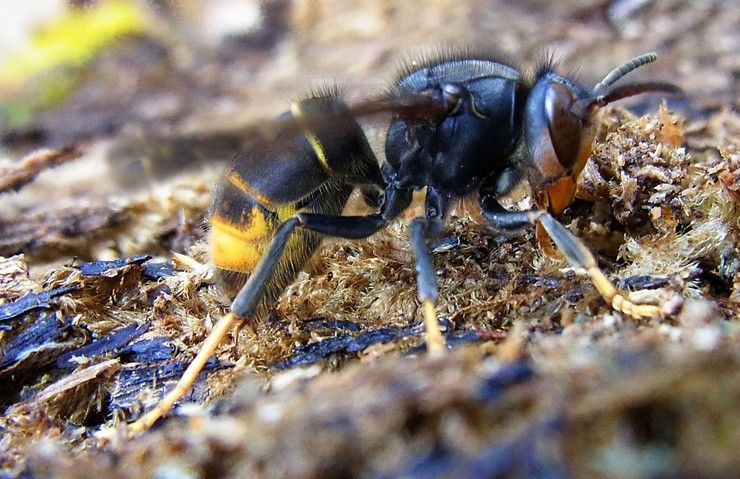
column 602, row 95
column 603, row 86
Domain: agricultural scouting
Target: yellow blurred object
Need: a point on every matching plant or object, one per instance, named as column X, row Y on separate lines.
column 73, row 39
column 45, row 72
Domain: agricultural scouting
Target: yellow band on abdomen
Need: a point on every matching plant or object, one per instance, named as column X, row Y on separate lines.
column 239, row 248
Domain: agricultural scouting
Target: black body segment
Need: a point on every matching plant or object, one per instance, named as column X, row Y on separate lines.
column 240, row 236
column 311, row 165
column 478, row 134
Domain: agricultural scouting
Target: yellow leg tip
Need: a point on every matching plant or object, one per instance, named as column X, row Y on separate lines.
column 145, row 422
column 188, row 378
column 619, row 302
column 637, row 310
column 435, row 342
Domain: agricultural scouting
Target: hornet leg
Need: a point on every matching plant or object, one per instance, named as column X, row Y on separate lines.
column 577, row 254
column 363, row 226
column 426, row 284
column 251, row 293
column 242, row 307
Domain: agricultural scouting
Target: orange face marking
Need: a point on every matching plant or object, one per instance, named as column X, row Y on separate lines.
column 560, row 194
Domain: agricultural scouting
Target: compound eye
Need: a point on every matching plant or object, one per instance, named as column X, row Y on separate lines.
column 564, row 127
column 451, row 95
